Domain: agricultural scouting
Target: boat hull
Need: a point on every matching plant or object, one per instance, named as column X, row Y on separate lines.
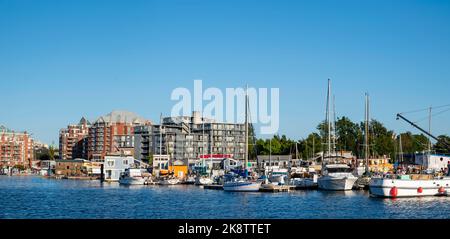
column 279, row 179
column 380, row 187
column 169, row 182
column 132, row 181
column 204, row 181
column 305, row 183
column 242, row 187
column 336, row 184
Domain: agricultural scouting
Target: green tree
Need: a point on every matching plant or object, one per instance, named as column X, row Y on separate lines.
column 440, row 146
column 348, row 134
column 413, row 143
column 310, row 146
column 51, row 152
column 382, row 140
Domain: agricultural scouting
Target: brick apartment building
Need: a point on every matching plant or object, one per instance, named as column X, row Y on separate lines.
column 16, row 148
column 73, row 140
column 113, row 133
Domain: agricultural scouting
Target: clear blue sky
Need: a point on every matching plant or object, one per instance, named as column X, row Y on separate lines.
column 60, row 60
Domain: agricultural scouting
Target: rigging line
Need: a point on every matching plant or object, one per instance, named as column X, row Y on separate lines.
column 426, row 118
column 415, row 111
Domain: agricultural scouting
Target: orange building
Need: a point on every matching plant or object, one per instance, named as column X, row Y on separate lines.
column 16, row 148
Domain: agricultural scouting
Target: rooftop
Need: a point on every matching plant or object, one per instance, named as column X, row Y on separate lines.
column 118, row 116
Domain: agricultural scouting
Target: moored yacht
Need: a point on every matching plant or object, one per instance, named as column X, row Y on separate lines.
column 337, row 177
column 336, row 174
column 238, row 183
column 134, row 176
column 203, row 180
column 409, row 186
column 235, row 183
column 278, row 176
column 169, row 181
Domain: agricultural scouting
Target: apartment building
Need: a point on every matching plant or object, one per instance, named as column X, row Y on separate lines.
column 113, row 133
column 73, row 140
column 16, row 148
column 191, row 139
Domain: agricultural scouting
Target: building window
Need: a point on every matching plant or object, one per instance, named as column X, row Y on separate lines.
column 125, row 162
column 110, row 163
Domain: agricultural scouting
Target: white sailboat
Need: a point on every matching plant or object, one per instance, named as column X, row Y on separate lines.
column 242, row 184
column 364, row 179
column 335, row 176
column 205, row 179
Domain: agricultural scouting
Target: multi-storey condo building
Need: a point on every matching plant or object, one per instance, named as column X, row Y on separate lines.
column 16, row 148
column 113, row 133
column 73, row 140
column 191, row 139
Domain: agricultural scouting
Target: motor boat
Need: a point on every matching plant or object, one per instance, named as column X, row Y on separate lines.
column 169, row 181
column 234, row 183
column 203, row 180
column 305, row 182
column 393, row 186
column 337, row 177
column 279, row 176
column 134, row 176
column 190, row 180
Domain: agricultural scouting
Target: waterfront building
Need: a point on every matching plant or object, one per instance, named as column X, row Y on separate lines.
column 179, row 169
column 115, row 165
column 71, row 168
column 192, row 140
column 47, row 167
column 432, row 161
column 16, row 148
column 113, row 133
column 274, row 161
column 73, row 140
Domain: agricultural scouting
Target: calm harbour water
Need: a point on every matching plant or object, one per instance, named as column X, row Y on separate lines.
column 35, row 197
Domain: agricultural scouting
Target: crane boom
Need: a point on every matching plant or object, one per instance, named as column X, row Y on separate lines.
column 399, row 116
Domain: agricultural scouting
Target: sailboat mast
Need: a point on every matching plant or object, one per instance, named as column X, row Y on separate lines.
column 429, row 131
column 334, row 126
column 400, row 148
column 211, row 152
column 246, row 127
column 328, row 117
column 203, row 142
column 366, row 134
column 160, row 135
column 270, row 154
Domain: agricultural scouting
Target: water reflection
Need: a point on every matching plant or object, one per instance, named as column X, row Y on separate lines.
column 34, row 197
